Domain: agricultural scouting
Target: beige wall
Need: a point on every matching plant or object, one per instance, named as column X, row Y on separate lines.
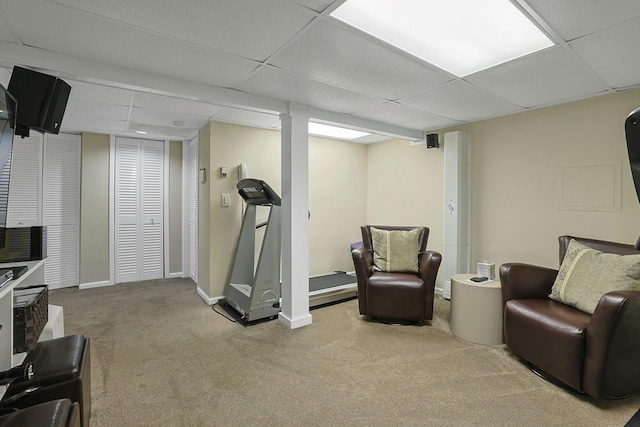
column 405, row 186
column 515, row 163
column 337, row 199
column 94, row 209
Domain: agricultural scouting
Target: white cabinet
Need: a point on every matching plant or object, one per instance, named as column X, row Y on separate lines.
column 24, row 207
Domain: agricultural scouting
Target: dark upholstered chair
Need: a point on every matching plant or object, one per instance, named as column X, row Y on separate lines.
column 396, row 297
column 61, row 369
column 595, row 354
column 55, row 413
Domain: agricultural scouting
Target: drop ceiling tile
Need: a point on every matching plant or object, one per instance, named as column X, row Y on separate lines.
column 80, row 108
column 613, row 53
column 166, row 119
column 407, row 117
column 250, row 28
column 548, row 77
column 576, row 18
column 460, row 100
column 5, row 33
column 123, row 45
column 286, row 86
column 71, row 123
column 150, row 101
column 5, row 75
column 249, row 118
column 94, row 92
column 343, row 57
column 317, row 5
column 158, row 132
column 371, row 139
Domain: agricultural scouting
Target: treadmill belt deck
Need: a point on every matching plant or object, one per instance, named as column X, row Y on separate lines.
column 330, row 281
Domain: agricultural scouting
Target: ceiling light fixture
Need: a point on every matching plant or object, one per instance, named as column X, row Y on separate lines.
column 320, row 129
column 141, row 132
column 459, row 36
column 178, row 124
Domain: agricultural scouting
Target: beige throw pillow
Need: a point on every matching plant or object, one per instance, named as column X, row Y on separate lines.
column 587, row 274
column 395, row 250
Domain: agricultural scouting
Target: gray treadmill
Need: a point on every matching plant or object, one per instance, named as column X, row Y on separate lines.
column 255, row 295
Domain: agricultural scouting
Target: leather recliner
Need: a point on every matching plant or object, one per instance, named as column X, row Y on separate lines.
column 594, row 354
column 61, row 369
column 396, row 297
column 55, row 413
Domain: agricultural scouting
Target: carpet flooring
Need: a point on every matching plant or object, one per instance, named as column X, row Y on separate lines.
column 162, row 357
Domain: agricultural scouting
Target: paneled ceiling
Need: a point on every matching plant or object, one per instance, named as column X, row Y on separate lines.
column 168, row 67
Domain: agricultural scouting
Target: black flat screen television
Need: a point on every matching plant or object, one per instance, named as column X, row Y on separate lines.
column 8, row 108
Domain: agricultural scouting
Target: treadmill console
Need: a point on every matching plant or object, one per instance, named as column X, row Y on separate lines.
column 257, row 192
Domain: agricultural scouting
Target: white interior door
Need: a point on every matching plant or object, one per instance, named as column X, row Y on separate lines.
column 139, row 220
column 25, row 189
column 61, row 209
column 152, row 189
column 127, row 205
column 192, row 200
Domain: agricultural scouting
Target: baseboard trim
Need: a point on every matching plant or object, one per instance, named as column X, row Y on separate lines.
column 295, row 323
column 175, row 275
column 209, row 300
column 95, row 285
column 438, row 291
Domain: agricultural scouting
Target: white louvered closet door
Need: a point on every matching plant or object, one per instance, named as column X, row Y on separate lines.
column 192, row 194
column 138, row 210
column 25, row 189
column 152, row 155
column 61, row 209
column 127, row 204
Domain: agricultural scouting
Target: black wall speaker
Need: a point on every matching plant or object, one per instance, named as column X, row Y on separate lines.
column 52, row 116
column 432, row 140
column 41, row 98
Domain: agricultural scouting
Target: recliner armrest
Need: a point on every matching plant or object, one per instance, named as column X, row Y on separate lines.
column 526, row 281
column 363, row 263
column 428, row 266
column 613, row 344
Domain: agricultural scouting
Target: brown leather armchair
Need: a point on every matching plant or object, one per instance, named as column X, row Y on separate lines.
column 58, row 413
column 396, row 297
column 594, row 354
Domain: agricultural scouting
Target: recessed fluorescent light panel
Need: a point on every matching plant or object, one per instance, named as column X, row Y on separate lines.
column 459, row 36
column 334, row 131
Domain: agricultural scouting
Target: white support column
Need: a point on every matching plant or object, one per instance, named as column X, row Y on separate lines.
column 457, row 210
column 295, row 208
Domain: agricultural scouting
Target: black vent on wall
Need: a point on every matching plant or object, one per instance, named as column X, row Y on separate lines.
column 41, row 98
